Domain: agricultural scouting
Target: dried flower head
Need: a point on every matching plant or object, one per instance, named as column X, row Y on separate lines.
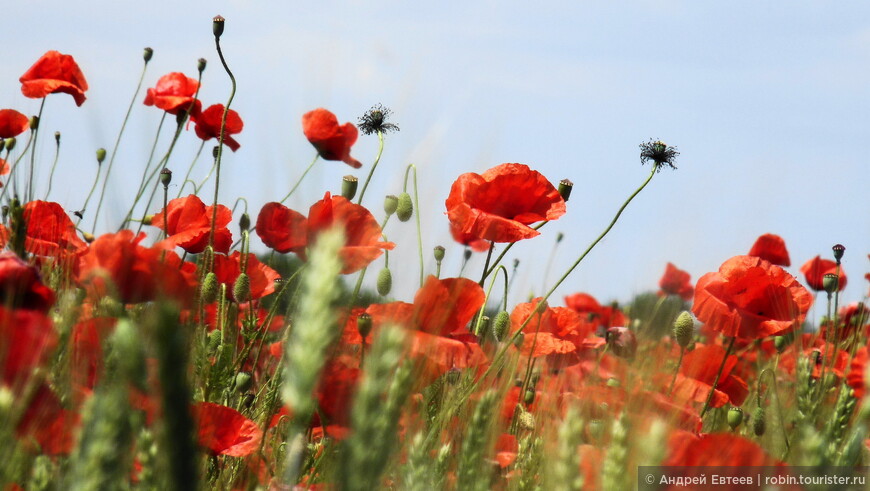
column 375, row 121
column 659, row 153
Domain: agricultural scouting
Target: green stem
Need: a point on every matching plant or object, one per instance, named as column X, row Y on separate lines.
column 718, row 375
column 33, row 152
column 486, row 264
column 374, row 166
column 676, row 370
column 142, row 182
column 217, row 175
column 298, row 182
column 506, row 249
column 417, row 217
column 190, row 169
column 91, row 192
column 118, row 142
column 53, row 166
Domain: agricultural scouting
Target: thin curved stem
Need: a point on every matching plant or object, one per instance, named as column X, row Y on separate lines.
column 718, row 376
column 217, row 175
column 298, row 182
column 141, row 188
column 374, row 166
column 190, row 169
column 29, row 195
column 416, row 216
column 53, row 165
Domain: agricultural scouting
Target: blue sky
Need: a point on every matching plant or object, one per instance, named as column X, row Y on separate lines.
column 767, row 104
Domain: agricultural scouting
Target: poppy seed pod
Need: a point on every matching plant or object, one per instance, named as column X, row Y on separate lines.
column 500, row 325
column 520, row 339
column 348, row 186
column 406, row 207
column 839, row 249
column 529, row 397
column 758, row 423
column 780, row 343
column 101, row 155
column 200, row 65
column 364, row 324
column 242, row 382
column 34, row 123
column 735, row 417
column 684, row 329
column 57, row 137
column 147, row 54
column 242, row 288
column 209, row 290
column 217, row 26
column 10, row 143
column 438, row 252
column 385, row 282
column 526, row 421
column 831, row 282
column 245, row 222
column 565, row 187
column 391, row 204
column 165, row 177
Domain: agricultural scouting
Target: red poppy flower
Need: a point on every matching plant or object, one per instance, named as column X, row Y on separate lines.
column 815, row 270
column 750, row 298
column 332, row 141
column 208, row 125
column 50, row 231
column 771, row 247
column 174, row 93
column 12, row 123
column 675, row 281
column 262, row 277
column 475, row 243
column 499, row 204
column 559, row 333
column 52, row 73
column 47, row 423
column 27, row 338
column 116, row 265
column 286, row 230
column 224, row 431
column 86, row 352
column 855, row 377
column 583, row 303
column 189, row 224
column 21, row 285
column 698, row 372
column 715, row 449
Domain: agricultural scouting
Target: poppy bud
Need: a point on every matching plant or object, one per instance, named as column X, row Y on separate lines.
column 467, row 254
column 391, row 204
column 830, row 282
column 559, row 237
column 34, row 123
column 385, row 282
column 165, row 177
column 684, row 328
column 406, row 207
column 565, row 187
column 364, row 324
column 88, row 237
column 214, row 340
column 526, row 421
column 101, row 155
column 10, row 143
column 781, row 343
column 215, row 151
column 245, row 222
column 243, row 382
column 439, row 253
column 612, row 382
column 217, row 26
column 529, row 396
column 518, row 342
column 147, row 219
column 735, row 417
column 349, row 184
column 147, row 54
column 839, row 249
column 200, row 65
column 209, row 290
column 242, row 288
column 758, row 424
column 57, row 137
column 500, row 325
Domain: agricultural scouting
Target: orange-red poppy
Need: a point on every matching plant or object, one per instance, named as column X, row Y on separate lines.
column 500, row 204
column 559, row 333
column 675, row 281
column 52, row 73
column 188, row 224
column 698, row 372
column 815, row 270
column 21, row 285
column 50, row 231
column 116, row 265
column 228, row 268
column 47, row 423
column 174, row 93
column 27, row 338
column 771, row 247
column 224, row 431
column 12, row 123
column 286, row 230
column 475, row 243
column 208, row 125
column 332, row 141
column 750, row 298
column 715, row 449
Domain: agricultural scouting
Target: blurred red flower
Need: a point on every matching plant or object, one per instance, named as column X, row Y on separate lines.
column 559, row 333
column 332, row 141
column 174, row 93
column 262, row 277
column 21, row 285
column 47, row 423
column 188, row 222
column 27, row 338
column 675, row 281
column 208, row 125
column 475, row 243
column 50, row 232
column 54, row 72
column 499, row 204
column 116, row 265
column 698, row 372
column 855, row 377
column 12, row 123
column 715, row 449
column 286, row 230
column 224, row 431
column 771, row 247
column 815, row 270
column 750, row 298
